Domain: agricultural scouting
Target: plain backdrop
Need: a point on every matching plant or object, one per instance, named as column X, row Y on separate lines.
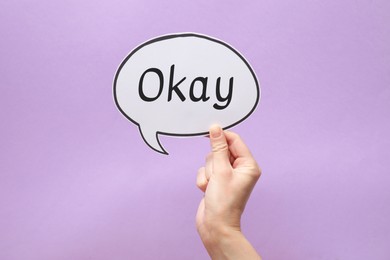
column 78, row 182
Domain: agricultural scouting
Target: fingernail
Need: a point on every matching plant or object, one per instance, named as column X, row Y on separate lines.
column 215, row 131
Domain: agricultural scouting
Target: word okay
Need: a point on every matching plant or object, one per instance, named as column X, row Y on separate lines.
column 174, row 88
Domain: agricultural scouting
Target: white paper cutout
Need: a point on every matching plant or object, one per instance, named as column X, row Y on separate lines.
column 181, row 84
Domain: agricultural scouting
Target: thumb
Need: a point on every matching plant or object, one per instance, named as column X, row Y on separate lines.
column 220, row 149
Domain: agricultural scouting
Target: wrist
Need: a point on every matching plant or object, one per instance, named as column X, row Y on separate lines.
column 225, row 242
column 231, row 244
column 218, row 239
column 215, row 235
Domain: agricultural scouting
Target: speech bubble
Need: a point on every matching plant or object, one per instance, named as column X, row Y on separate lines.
column 181, row 84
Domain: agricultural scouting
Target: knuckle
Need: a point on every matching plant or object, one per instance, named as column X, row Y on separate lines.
column 219, row 147
column 255, row 169
column 201, row 169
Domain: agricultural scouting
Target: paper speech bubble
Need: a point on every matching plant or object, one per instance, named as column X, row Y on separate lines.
column 181, row 84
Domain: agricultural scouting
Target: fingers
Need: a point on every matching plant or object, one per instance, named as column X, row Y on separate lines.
column 201, row 179
column 242, row 155
column 237, row 147
column 209, row 166
column 220, row 149
column 204, row 173
column 228, row 154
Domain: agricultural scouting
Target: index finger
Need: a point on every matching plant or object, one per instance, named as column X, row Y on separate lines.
column 237, row 147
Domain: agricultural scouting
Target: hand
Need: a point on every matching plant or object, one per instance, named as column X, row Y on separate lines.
column 227, row 180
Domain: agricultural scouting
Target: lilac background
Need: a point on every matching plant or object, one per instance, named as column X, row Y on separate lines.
column 77, row 181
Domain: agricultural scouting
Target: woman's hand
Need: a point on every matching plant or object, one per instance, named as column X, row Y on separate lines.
column 227, row 179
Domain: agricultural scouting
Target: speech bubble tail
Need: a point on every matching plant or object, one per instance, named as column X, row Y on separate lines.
column 151, row 139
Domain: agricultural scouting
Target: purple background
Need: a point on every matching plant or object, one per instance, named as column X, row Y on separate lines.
column 78, row 182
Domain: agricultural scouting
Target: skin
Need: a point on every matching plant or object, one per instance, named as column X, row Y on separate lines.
column 227, row 180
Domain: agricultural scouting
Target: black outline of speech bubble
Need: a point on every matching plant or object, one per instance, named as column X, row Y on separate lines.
column 177, row 35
